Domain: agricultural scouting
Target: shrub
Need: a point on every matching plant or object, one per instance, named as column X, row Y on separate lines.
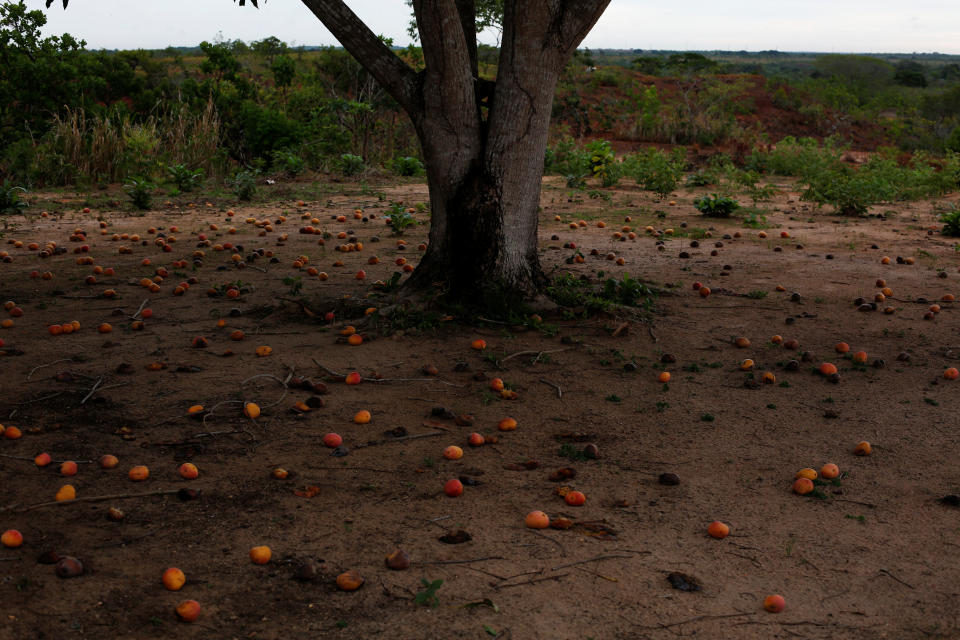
column 244, row 184
column 603, row 162
column 140, row 192
column 287, row 162
column 951, row 222
column 400, row 218
column 715, row 206
column 349, row 164
column 10, row 201
column 184, row 177
column 656, row 171
column 407, row 166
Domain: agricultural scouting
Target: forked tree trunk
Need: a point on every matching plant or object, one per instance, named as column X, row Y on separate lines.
column 484, row 153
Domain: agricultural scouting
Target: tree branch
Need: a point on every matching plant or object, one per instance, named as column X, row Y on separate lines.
column 391, row 72
column 573, row 20
column 449, row 72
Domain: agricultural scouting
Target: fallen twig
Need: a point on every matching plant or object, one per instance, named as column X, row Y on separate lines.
column 315, row 468
column 468, row 561
column 694, row 619
column 593, row 559
column 40, row 399
column 41, row 366
column 556, row 542
column 862, row 504
column 530, row 353
column 342, row 375
column 555, row 386
column 7, row 455
column 887, row 573
column 116, row 496
column 93, row 389
column 374, row 443
column 531, row 581
column 139, row 309
column 129, row 540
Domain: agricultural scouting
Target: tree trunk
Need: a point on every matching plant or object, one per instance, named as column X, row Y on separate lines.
column 483, row 153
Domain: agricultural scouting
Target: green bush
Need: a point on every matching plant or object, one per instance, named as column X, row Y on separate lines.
column 951, row 222
column 407, row 166
column 185, row 178
column 656, row 171
column 715, row 206
column 244, row 184
column 266, row 130
column 349, row 164
column 569, row 160
column 399, row 218
column 603, row 162
column 10, row 201
column 140, row 192
column 287, row 162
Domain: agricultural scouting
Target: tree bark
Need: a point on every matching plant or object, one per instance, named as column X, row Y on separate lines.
column 484, row 160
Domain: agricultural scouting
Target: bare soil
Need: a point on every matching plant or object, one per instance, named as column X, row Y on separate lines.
column 872, row 555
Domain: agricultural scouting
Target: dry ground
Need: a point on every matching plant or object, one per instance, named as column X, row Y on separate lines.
column 874, row 557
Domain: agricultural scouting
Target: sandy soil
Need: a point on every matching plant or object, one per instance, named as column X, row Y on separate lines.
column 872, row 557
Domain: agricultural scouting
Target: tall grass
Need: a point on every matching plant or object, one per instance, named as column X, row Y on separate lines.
column 112, row 148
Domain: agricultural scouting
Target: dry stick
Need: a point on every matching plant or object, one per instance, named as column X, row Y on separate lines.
column 40, row 399
column 7, row 455
column 555, row 386
column 213, row 408
column 93, row 389
column 862, row 504
column 315, row 468
column 374, row 443
column 695, row 619
column 885, row 572
column 650, row 331
column 116, row 496
column 436, row 562
column 129, row 540
column 340, row 375
column 593, row 559
column 530, row 353
column 139, row 309
column 531, row 581
column 556, row 542
column 41, row 366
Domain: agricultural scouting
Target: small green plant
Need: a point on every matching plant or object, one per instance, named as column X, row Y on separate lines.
column 183, row 177
column 244, row 184
column 295, row 283
column 758, row 294
column 753, row 219
column 288, row 162
column 140, row 192
column 400, row 218
column 715, row 206
column 407, row 166
column 10, row 201
column 662, row 406
column 951, row 222
column 428, row 595
column 613, row 398
column 350, row 165
column 707, row 417
column 603, row 163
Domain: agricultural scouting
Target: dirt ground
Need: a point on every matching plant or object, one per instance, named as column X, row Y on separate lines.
column 870, row 555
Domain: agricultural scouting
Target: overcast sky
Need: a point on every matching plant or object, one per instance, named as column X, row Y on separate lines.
column 787, row 25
